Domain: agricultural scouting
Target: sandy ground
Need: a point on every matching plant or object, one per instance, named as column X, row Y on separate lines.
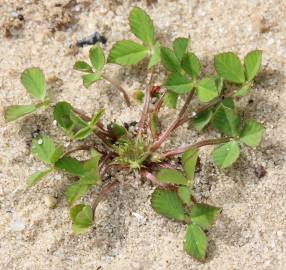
column 250, row 233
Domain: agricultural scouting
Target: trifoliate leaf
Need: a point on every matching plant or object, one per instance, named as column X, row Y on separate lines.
column 202, row 119
column 43, row 148
column 171, row 176
column 170, row 100
column 178, row 83
column 196, row 242
column 142, row 26
column 226, row 154
column 189, row 162
column 252, row 64
column 38, row 176
column 89, row 79
column 33, row 80
column 229, row 67
column 184, row 194
column 204, row 215
column 191, row 65
column 82, row 66
column 70, row 165
column 226, row 121
column 76, row 191
column 127, row 52
column 169, row 60
column 62, row 115
column 96, row 56
column 168, row 204
column 252, row 133
column 180, row 46
column 14, row 112
column 155, row 55
column 207, row 89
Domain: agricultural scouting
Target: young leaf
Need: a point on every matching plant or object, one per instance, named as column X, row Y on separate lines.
column 126, row 52
column 155, row 55
column 171, row 176
column 252, row 64
column 226, row 154
column 168, row 204
column 96, row 56
column 38, row 176
column 82, row 133
column 244, row 90
column 62, row 115
column 82, row 66
column 184, row 194
column 82, row 217
column 76, row 191
column 180, row 46
column 33, row 80
column 229, row 67
column 178, row 83
column 202, row 119
column 43, row 148
column 96, row 118
column 204, row 215
column 169, row 60
column 226, row 121
column 14, row 112
column 170, row 100
column 189, row 161
column 142, row 26
column 191, row 65
column 89, row 79
column 58, row 153
column 70, row 165
column 196, row 242
column 77, row 120
column 252, row 133
column 207, row 90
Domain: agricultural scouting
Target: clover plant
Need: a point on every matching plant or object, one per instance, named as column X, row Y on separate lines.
column 140, row 150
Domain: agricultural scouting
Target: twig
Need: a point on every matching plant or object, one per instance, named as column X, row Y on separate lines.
column 159, row 103
column 151, row 177
column 181, row 150
column 119, row 88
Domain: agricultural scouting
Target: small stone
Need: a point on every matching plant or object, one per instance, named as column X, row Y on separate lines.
column 260, row 171
column 50, row 201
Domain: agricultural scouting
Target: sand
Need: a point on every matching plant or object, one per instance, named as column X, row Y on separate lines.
column 251, row 231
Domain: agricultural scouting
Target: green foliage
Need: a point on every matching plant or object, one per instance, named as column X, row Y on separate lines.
column 38, row 176
column 76, row 191
column 82, row 66
column 207, row 89
column 252, row 133
column 171, row 176
column 96, row 56
column 70, row 165
column 89, row 79
column 170, row 60
column 189, row 162
column 155, row 55
column 191, row 65
column 16, row 111
column 82, row 218
column 180, row 46
column 168, row 204
column 226, row 154
column 202, row 119
column 170, row 100
column 178, row 83
column 252, row 63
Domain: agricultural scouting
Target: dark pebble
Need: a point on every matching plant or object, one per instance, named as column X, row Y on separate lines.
column 260, row 171
column 91, row 40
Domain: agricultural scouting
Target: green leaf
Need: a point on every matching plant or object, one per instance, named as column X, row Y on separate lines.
column 171, row 176
column 178, row 83
column 228, row 102
column 82, row 133
column 180, row 46
column 82, row 66
column 168, row 204
column 75, row 192
column 170, row 100
column 252, row 133
column 62, row 115
column 139, row 96
column 58, row 153
column 96, row 56
column 118, row 130
column 77, row 120
column 70, row 165
column 126, row 52
column 219, row 84
column 43, row 148
column 191, row 65
column 189, row 161
column 14, row 112
column 226, row 154
column 82, row 217
column 184, row 194
column 229, row 67
column 243, row 91
column 38, row 176
column 226, row 121
column 80, row 229
column 89, row 79
column 142, row 26
column 170, row 60
column 96, row 118
column 155, row 55
column 252, row 64
column 207, row 90
column 202, row 119
column 204, row 215
column 196, row 242
column 91, row 170
column 33, row 80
